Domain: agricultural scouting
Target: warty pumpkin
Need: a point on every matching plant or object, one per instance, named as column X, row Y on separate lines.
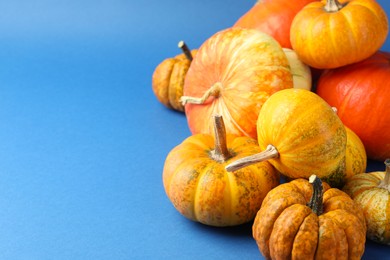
column 308, row 220
column 196, row 182
column 168, row 78
column 361, row 94
column 272, row 17
column 232, row 75
column 300, row 135
column 371, row 191
column 331, row 33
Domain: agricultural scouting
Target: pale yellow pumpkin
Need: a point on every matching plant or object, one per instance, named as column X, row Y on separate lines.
column 371, row 191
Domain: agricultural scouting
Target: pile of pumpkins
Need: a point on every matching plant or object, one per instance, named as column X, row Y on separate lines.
column 296, row 89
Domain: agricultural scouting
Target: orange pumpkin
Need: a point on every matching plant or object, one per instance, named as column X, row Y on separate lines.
column 361, row 94
column 233, row 74
column 300, row 135
column 168, row 78
column 273, row 17
column 196, row 182
column 331, row 34
column 371, row 191
column 308, row 220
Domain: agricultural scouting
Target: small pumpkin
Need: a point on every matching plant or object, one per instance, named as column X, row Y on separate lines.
column 308, row 220
column 196, row 182
column 273, row 17
column 168, row 78
column 331, row 33
column 371, row 191
column 300, row 135
column 232, row 75
column 361, row 94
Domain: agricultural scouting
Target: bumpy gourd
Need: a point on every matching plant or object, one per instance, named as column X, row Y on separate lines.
column 308, row 220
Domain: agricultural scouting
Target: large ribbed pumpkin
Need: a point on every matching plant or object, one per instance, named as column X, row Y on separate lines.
column 301, row 135
column 196, row 182
column 233, row 73
column 332, row 33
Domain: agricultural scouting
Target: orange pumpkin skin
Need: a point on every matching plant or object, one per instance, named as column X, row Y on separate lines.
column 273, row 17
column 330, row 39
column 200, row 188
column 356, row 157
column 360, row 92
column 309, row 136
column 245, row 67
column 286, row 228
column 374, row 199
column 168, row 80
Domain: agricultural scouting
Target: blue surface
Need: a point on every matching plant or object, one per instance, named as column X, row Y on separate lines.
column 83, row 139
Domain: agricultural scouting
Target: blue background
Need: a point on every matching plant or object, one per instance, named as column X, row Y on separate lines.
column 83, row 139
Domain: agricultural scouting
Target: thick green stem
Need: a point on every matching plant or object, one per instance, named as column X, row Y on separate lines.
column 220, row 152
column 316, row 203
column 183, row 46
column 269, row 153
column 214, row 91
column 332, row 6
column 385, row 183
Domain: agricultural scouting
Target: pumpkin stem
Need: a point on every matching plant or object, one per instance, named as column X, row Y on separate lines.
column 183, row 46
column 385, row 183
column 220, row 152
column 269, row 153
column 315, row 202
column 332, row 6
column 213, row 91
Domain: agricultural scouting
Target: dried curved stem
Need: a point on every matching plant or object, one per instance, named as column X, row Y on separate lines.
column 269, row 153
column 215, row 91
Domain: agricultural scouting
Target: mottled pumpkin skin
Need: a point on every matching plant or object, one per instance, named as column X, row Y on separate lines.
column 202, row 190
column 248, row 66
column 168, row 80
column 285, row 228
column 331, row 39
column 356, row 157
column 308, row 135
column 375, row 203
